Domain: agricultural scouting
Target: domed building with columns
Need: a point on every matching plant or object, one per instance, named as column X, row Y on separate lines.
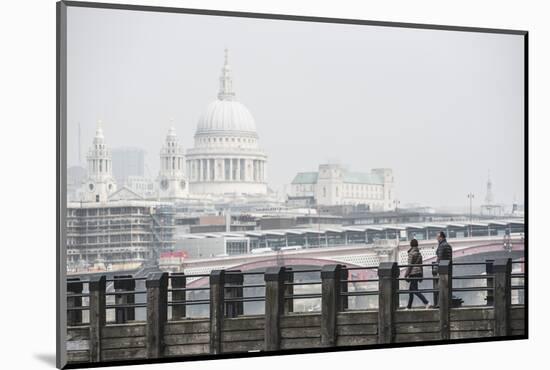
column 226, row 157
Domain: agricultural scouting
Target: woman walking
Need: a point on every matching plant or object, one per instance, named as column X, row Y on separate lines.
column 414, row 274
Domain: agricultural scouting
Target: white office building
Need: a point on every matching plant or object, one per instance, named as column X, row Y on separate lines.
column 333, row 185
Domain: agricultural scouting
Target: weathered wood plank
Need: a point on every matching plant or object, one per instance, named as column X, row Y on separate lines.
column 300, row 320
column 311, row 332
column 472, row 325
column 417, row 327
column 517, row 312
column 243, row 335
column 244, row 346
column 291, row 343
column 234, row 308
column 78, row 345
column 472, row 313
column 471, row 334
column 197, row 338
column 365, row 329
column 123, row 354
column 186, row 349
column 445, row 272
column 96, row 286
column 417, row 337
column 78, row 356
column 502, row 292
column 517, row 324
column 331, row 302
column 122, row 343
column 178, row 281
column 517, row 332
column 124, row 330
column 388, row 301
column 274, row 277
column 187, row 327
column 157, row 312
column 78, row 333
column 346, row 318
column 244, row 323
column 416, row 315
column 353, row 340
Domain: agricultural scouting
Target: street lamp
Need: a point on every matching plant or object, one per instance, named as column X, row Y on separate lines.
column 396, row 203
column 471, row 198
column 507, row 243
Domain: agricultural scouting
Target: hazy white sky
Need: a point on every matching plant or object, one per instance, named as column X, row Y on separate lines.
column 441, row 108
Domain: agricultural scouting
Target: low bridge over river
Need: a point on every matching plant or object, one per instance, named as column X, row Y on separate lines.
column 104, row 325
column 359, row 255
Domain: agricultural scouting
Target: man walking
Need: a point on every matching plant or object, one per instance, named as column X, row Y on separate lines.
column 444, row 251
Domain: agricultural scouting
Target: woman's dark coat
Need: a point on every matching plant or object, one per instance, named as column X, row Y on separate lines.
column 414, row 258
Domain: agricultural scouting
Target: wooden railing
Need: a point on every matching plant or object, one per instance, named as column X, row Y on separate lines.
column 169, row 329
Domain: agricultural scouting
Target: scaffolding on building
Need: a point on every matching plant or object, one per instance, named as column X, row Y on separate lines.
column 118, row 235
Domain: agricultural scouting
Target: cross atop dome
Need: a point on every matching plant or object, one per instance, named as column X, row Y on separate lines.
column 99, row 138
column 226, row 82
column 171, row 130
column 171, row 136
column 99, row 129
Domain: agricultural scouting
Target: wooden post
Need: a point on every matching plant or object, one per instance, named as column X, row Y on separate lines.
column 124, row 283
column 157, row 312
column 388, row 272
column 435, row 283
column 234, row 308
column 344, row 299
column 74, row 286
column 97, row 315
column 289, row 290
column 445, row 297
column 330, row 302
column 178, row 281
column 217, row 283
column 274, row 306
column 502, row 269
column 490, row 282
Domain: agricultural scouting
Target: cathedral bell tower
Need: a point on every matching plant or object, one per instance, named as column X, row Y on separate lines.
column 172, row 183
column 100, row 182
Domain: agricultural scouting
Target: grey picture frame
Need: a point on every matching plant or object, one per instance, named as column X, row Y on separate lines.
column 61, row 175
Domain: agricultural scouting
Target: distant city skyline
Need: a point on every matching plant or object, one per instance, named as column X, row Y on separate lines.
column 440, row 108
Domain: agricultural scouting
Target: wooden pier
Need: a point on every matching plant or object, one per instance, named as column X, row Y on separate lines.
column 168, row 331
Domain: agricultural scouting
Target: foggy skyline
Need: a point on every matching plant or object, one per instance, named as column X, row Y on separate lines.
column 440, row 108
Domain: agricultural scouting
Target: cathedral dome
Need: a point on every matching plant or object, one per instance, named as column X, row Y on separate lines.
column 226, row 115
column 226, row 157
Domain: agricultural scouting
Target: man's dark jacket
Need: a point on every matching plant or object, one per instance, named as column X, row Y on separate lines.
column 443, row 252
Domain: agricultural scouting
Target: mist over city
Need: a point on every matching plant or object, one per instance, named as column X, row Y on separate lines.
column 442, row 110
